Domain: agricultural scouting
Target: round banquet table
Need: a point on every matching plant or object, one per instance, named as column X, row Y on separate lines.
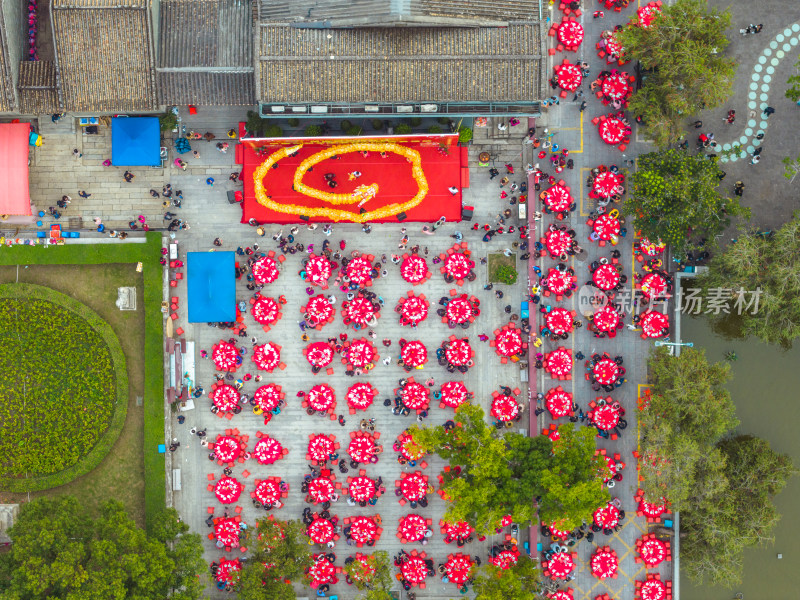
column 319, row 354
column 360, row 353
column 361, row 449
column 653, row 589
column 558, row 242
column 458, row 568
column 569, row 77
column 454, row 531
column 361, row 569
column 415, row 396
column 320, row 531
column 606, row 277
column 559, row 362
column 654, row 324
column 612, row 130
column 359, row 310
column 226, row 568
column 318, row 271
column 414, row 354
column 654, row 285
column 265, row 270
column 322, row 571
column 605, row 371
column 505, row 559
column 560, row 595
column 504, row 408
column 360, row 396
column 227, row 490
column 414, row 570
column 558, row 403
column 414, row 487
column 225, row 398
column 225, row 356
column 408, row 447
column 559, row 320
column 558, row 533
column 606, row 517
column 362, row 488
column 459, row 310
column 363, row 529
column 319, row 310
column 268, row 397
column 321, row 398
column 651, row 249
column 509, row 341
column 414, row 309
column 266, row 310
column 560, row 565
column 652, row 551
column 458, row 265
column 454, row 394
column 606, row 319
column 617, row 86
column 320, row 447
column 320, row 489
column 268, row 492
column 227, row 532
column 652, row 509
column 557, row 198
column 606, row 183
column 647, row 14
column 604, row 563
column 359, row 270
column 605, row 226
column 412, row 528
column 459, row 353
column 227, row 449
column 557, row 281
column 570, row 33
column 267, row 450
column 613, row 47
column 414, row 269
column 266, row 357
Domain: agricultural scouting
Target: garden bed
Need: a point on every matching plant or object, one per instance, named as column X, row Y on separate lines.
column 498, row 262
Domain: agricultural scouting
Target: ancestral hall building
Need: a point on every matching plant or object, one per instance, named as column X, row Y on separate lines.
column 289, row 57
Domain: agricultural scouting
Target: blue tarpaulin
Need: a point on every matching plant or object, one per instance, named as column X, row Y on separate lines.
column 211, row 278
column 135, row 142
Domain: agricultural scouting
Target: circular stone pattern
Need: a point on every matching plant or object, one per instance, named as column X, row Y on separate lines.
column 64, row 392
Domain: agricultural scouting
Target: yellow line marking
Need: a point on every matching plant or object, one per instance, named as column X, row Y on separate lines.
column 583, row 213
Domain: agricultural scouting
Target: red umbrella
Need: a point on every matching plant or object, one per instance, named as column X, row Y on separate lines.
column 606, row 319
column 321, row 531
column 560, row 565
column 606, row 277
column 458, row 568
column 361, row 448
column 268, row 397
column 605, row 371
column 268, row 450
column 606, row 184
column 454, row 394
column 458, row 265
column 559, row 321
column 320, row 489
column 414, row 569
column 265, row 270
column 557, row 198
column 321, row 398
column 509, row 341
column 362, row 488
column 414, row 354
column 504, row 408
column 319, row 354
column 557, row 281
column 227, row 532
column 360, row 396
column 606, row 226
column 569, row 76
column 360, row 353
column 604, row 563
column 558, row 402
column 606, row 517
column 654, row 324
column 654, row 285
column 413, row 309
column 414, row 269
column 612, row 130
column 459, row 353
column 414, row 486
column 459, row 310
column 364, row 529
column 359, row 270
column 266, row 311
column 415, row 396
column 267, row 356
column 225, row 356
column 505, row 559
column 318, row 311
column 228, row 490
column 268, row 491
column 318, row 271
column 320, row 447
column 570, row 33
column 226, row 568
column 227, row 448
column 558, row 242
column 322, row 571
column 412, row 528
column 558, row 362
column 225, row 398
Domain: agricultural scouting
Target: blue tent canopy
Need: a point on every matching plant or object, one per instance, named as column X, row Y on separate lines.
column 211, row 278
column 135, row 142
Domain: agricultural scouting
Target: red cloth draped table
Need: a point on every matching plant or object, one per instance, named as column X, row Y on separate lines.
column 414, row 570
column 606, row 517
column 454, row 394
column 321, row 572
column 606, row 319
column 361, row 569
column 268, row 397
column 226, row 531
column 557, row 242
column 265, row 270
column 652, row 551
column 364, row 529
column 650, row 248
column 557, row 281
column 361, row 448
column 456, row 531
column 560, row 565
column 605, row 417
column 558, row 362
column 267, row 450
column 617, row 86
column 226, row 568
column 267, row 356
column 320, row 447
column 321, row 398
column 569, row 76
column 558, row 402
column 360, row 396
column 612, row 130
column 459, row 353
column 559, row 320
column 557, row 198
column 268, row 491
column 225, row 356
column 412, row 528
column 605, row 184
column 321, row 489
column 611, row 465
column 408, row 448
column 414, row 486
column 459, row 310
column 321, row 531
column 225, row 398
column 458, row 568
column 318, row 354
column 362, row 488
column 227, row 490
column 652, row 510
column 458, row 265
column 266, row 311
column 561, row 595
column 570, row 33
column 614, row 50
column 654, row 285
column 414, row 269
column 318, row 271
column 413, row 309
column 505, row 559
column 360, row 353
column 415, row 396
column 606, row 277
column 414, row 354
column 604, row 563
column 647, row 14
column 319, row 311
column 227, row 448
column 605, row 371
column 359, row 311
column 558, row 533
column 606, row 226
column 652, row 588
column 359, row 270
column 508, row 340
column 504, row 408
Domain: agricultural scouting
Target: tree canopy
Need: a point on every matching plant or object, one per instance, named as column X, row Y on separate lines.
column 674, row 196
column 520, row 582
column 757, row 262
column 61, row 552
column 373, row 576
column 685, row 68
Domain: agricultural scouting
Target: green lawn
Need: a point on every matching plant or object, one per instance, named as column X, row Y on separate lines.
column 497, row 261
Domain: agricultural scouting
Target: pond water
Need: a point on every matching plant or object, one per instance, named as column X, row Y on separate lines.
column 766, row 390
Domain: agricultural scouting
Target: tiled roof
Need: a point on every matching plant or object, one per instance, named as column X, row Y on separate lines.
column 6, row 82
column 401, row 64
column 37, row 87
column 206, row 52
column 104, row 55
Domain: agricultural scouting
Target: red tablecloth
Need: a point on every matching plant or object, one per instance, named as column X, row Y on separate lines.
column 361, row 395
column 268, row 491
column 612, row 130
column 606, row 277
column 414, row 269
column 265, row 270
column 459, row 310
column 605, row 417
column 267, row 450
column 320, row 489
column 561, row 595
column 362, row 569
column 321, row 398
column 606, row 319
column 613, row 47
column 359, row 270
column 558, row 242
column 458, row 568
column 320, row 531
column 361, row 449
column 559, row 320
column 653, row 509
column 560, row 565
column 650, row 248
column 362, row 488
column 557, row 198
column 454, row 531
column 414, row 354
column 557, row 281
column 227, row 449
column 504, row 408
column 408, row 447
column 227, row 532
column 606, row 517
column 412, row 527
column 458, row 265
column 226, row 568
column 605, row 371
column 509, row 341
column 322, row 571
column 359, row 310
column 558, row 403
column 505, row 559
column 266, row 356
column 266, row 310
column 319, row 310
column 559, row 362
column 414, row 570
column 653, row 589
column 225, row 398
column 558, row 533
column 319, row 354
column 320, row 447
column 606, row 183
column 604, row 563
column 647, row 14
column 569, row 77
column 228, row 490
column 654, row 285
column 570, row 33
column 454, row 393
column 414, row 487
column 416, row 396
column 617, row 86
column 414, row 309
column 605, row 226
column 652, row 551
column 224, row 356
column 459, row 353
column 318, row 271
column 363, row 529
column 268, row 396
column 360, row 353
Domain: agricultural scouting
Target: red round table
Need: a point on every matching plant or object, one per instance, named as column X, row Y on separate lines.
column 650, row 248
column 225, row 398
column 458, row 568
column 653, row 589
column 268, row 491
column 557, row 242
column 414, row 354
column 321, row 398
column 459, row 310
column 362, row 488
column 360, row 353
column 227, row 532
column 652, row 550
column 361, row 569
column 321, row 531
column 320, row 447
column 318, row 271
column 359, row 310
column 606, row 277
column 604, row 563
column 605, row 371
column 654, row 324
column 617, row 86
column 227, row 490
column 414, row 269
column 613, row 48
column 652, row 509
column 454, row 394
column 458, row 265
column 414, row 487
column 654, row 285
column 415, row 396
column 363, row 529
column 227, row 449
column 412, row 528
column 560, row 565
column 266, row 356
column 408, row 447
column 647, row 14
column 570, row 33
column 414, row 310
column 322, row 571
column 558, row 402
column 319, row 310
column 557, row 281
column 605, row 184
column 456, row 531
column 319, row 354
column 606, row 319
column 569, row 76
column 268, row 450
column 557, row 198
column 504, row 408
column 265, row 310
column 612, row 130
column 414, row 570
column 360, row 396
column 505, row 559
column 359, row 270
column 265, row 270
column 509, row 341
column 320, row 489
column 606, row 226
column 606, row 517
column 559, row 362
column 361, row 449
column 226, row 568
column 459, row 353
column 225, row 356
column 559, row 320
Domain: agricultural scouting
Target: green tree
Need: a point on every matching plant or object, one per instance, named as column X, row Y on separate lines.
column 186, row 552
column 313, row 130
column 60, row 552
column 673, row 196
column 402, row 129
column 379, row 582
column 520, row 582
column 791, row 168
column 686, row 70
column 464, row 134
column 793, row 92
column 760, row 274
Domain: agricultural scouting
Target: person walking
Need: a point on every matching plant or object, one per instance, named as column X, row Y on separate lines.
column 768, row 111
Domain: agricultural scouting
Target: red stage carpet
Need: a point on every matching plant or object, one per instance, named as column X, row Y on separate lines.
column 392, row 174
